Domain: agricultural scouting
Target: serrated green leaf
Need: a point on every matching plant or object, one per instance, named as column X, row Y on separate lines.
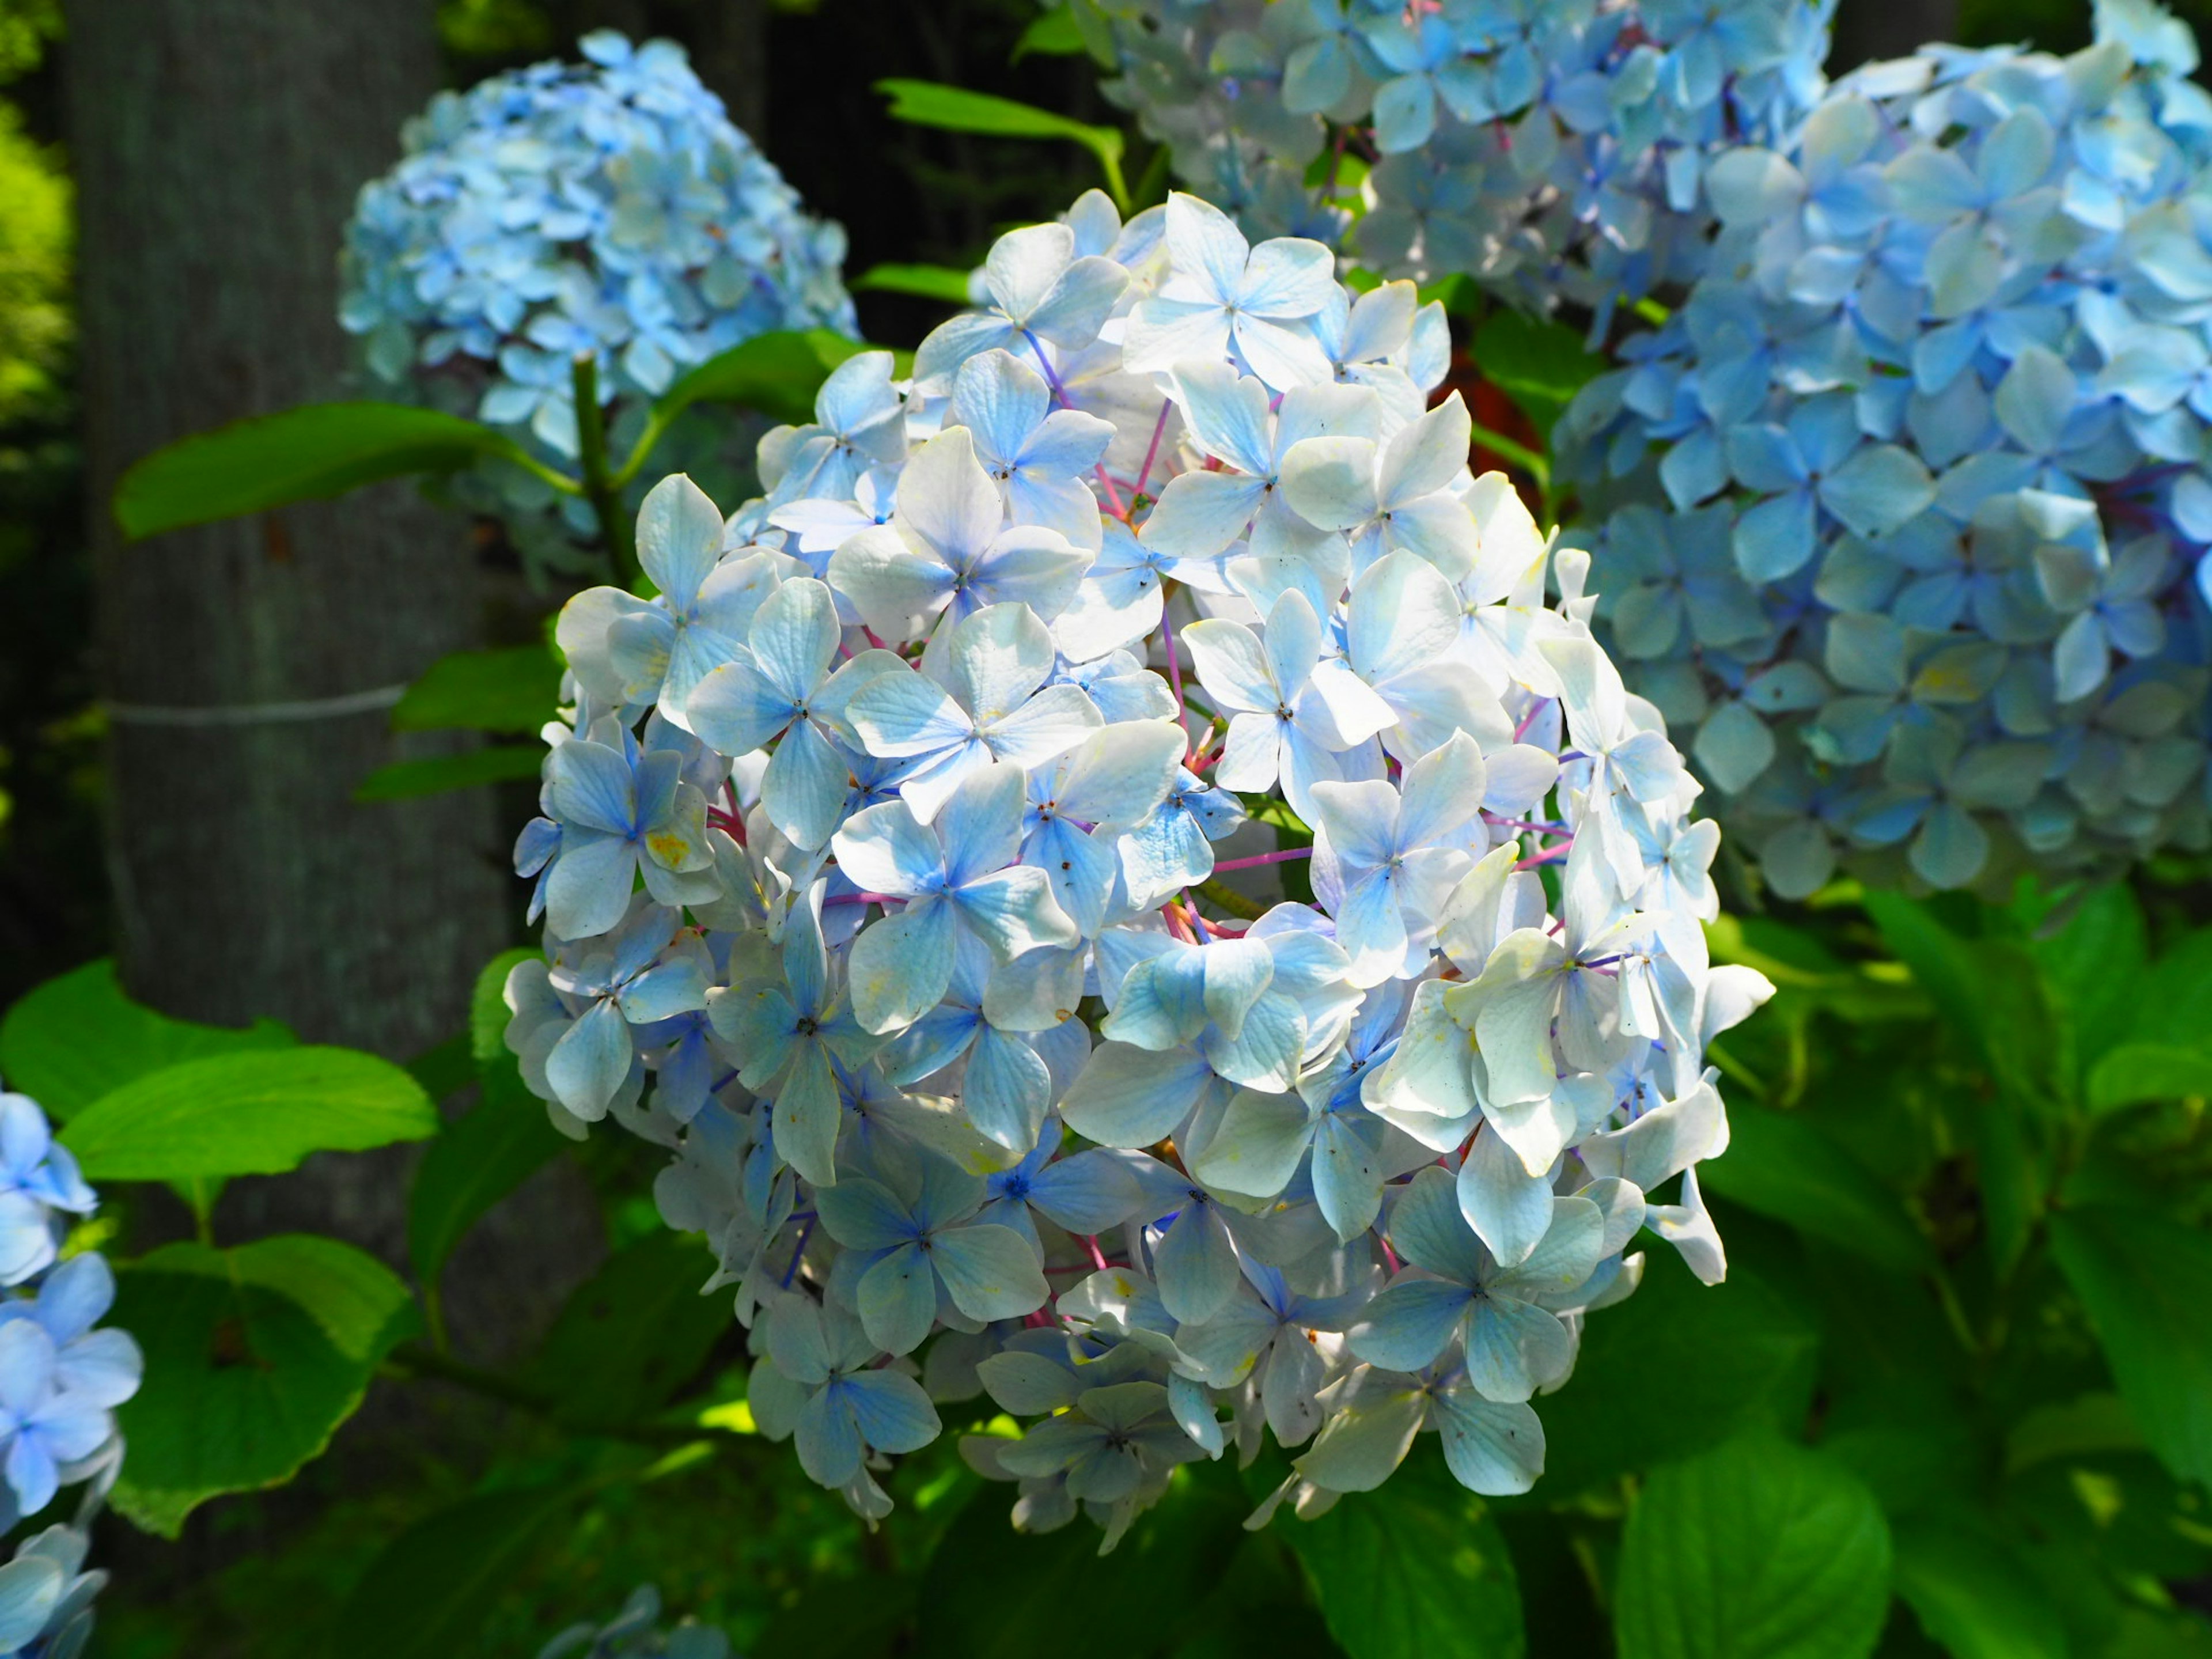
column 445, row 1069
column 1539, row 363
column 2146, row 1281
column 1787, row 1169
column 315, row 450
column 2095, row 966
column 477, row 1159
column 504, row 762
column 1030, row 1581
column 1413, row 1570
column 777, row 373
column 1971, row 1594
column 635, row 1333
column 1758, row 1549
column 76, row 1039
column 2181, row 1013
column 927, row 281
column 1988, row 990
column 429, row 1594
column 515, row 690
column 248, row 1113
column 1677, row 1367
column 254, row 1356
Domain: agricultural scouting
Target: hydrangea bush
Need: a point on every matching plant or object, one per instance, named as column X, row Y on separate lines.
column 878, row 868
column 61, row 1378
column 1551, row 151
column 1908, row 501
column 608, row 209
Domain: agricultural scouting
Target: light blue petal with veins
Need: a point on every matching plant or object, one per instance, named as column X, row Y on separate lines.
column 1514, row 1349
column 865, row 1215
column 1259, row 1145
column 1428, row 1230
column 1006, row 1088
column 903, row 714
column 1131, row 1097
column 901, row 964
column 991, row 1272
column 1195, row 1264
column 893, row 1413
column 1086, row 1192
column 591, row 1061
column 1407, row 1325
column 897, row 1299
column 1491, row 1447
column 882, row 850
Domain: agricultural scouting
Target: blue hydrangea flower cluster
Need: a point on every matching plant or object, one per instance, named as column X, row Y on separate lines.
column 608, row 208
column 636, row 1632
column 46, row 1595
column 877, row 855
column 1920, row 554
column 60, row 1381
column 1549, row 150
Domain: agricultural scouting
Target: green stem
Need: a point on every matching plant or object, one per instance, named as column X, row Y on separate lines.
column 1110, row 162
column 434, row 1315
column 1231, row 900
column 1954, row 1312
column 537, row 469
column 1519, row 453
column 1152, row 183
column 656, row 427
column 1736, row 1069
column 601, row 488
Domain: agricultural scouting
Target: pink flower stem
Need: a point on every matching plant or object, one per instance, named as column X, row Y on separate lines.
column 1258, row 859
column 865, row 898
column 1114, row 495
column 1158, row 426
column 1533, row 827
column 1529, row 719
column 1175, row 663
column 1200, row 922
column 1097, row 1255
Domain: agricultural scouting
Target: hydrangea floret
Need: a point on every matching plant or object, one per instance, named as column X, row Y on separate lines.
column 62, row 1377
column 636, row 1633
column 1908, row 503
column 908, row 914
column 607, row 209
column 1551, row 151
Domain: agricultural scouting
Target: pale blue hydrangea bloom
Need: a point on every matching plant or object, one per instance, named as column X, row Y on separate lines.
column 1161, row 537
column 1921, row 557
column 1551, row 150
column 62, row 1375
column 608, row 208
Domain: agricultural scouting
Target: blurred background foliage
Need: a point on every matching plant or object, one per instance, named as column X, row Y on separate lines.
column 2010, row 1442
